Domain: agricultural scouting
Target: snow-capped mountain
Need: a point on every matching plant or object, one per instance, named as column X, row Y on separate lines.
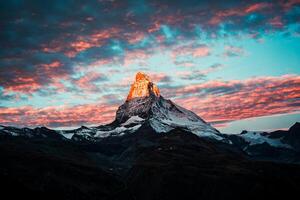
column 255, row 138
column 146, row 109
column 280, row 145
column 145, row 105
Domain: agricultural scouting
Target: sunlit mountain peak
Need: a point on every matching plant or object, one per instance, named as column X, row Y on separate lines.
column 142, row 87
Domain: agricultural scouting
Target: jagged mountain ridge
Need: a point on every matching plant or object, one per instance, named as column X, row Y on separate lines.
column 145, row 108
column 145, row 165
column 144, row 104
column 280, row 145
column 144, row 101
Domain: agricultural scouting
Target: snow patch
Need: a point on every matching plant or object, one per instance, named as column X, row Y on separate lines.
column 66, row 135
column 167, row 116
column 84, row 131
column 133, row 120
column 160, row 127
column 119, row 131
column 257, row 138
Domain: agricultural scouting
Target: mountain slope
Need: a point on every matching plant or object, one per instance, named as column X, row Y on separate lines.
column 281, row 145
column 145, row 108
column 183, row 166
column 145, row 104
column 145, row 165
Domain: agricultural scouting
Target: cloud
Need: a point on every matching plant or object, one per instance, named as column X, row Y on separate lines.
column 45, row 44
column 60, row 116
column 199, row 74
column 193, row 50
column 232, row 51
column 160, row 78
column 221, row 15
column 87, row 82
column 4, row 97
column 96, row 38
column 215, row 101
column 68, row 32
column 276, row 22
column 218, row 101
column 28, row 77
column 201, row 51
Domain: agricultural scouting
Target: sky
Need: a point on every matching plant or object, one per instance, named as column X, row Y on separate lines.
column 69, row 63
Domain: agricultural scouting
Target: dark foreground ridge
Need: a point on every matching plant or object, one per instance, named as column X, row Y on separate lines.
column 176, row 165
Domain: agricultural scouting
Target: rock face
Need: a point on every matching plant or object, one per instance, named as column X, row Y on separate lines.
column 142, row 87
column 144, row 101
column 142, row 94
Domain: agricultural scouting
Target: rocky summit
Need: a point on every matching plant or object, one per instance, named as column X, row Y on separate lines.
column 142, row 87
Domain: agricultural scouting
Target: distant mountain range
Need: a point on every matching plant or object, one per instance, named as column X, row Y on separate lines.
column 154, row 149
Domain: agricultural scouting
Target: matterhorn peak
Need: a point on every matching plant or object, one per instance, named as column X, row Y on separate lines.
column 142, row 87
column 145, row 106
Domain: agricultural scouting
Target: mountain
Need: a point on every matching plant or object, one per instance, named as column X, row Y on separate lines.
column 280, row 145
column 144, row 104
column 154, row 149
column 39, row 132
column 143, row 107
column 144, row 165
column 146, row 109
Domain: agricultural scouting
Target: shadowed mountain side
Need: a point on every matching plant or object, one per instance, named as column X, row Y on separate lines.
column 177, row 165
column 52, row 169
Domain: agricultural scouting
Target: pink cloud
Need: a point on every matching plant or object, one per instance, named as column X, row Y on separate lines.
column 289, row 3
column 215, row 101
column 223, row 14
column 47, row 73
column 159, row 77
column 24, row 85
column 135, row 55
column 81, row 42
column 276, row 22
column 195, row 51
column 235, row 100
column 87, row 82
column 58, row 116
column 135, row 37
column 81, row 45
column 201, row 51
